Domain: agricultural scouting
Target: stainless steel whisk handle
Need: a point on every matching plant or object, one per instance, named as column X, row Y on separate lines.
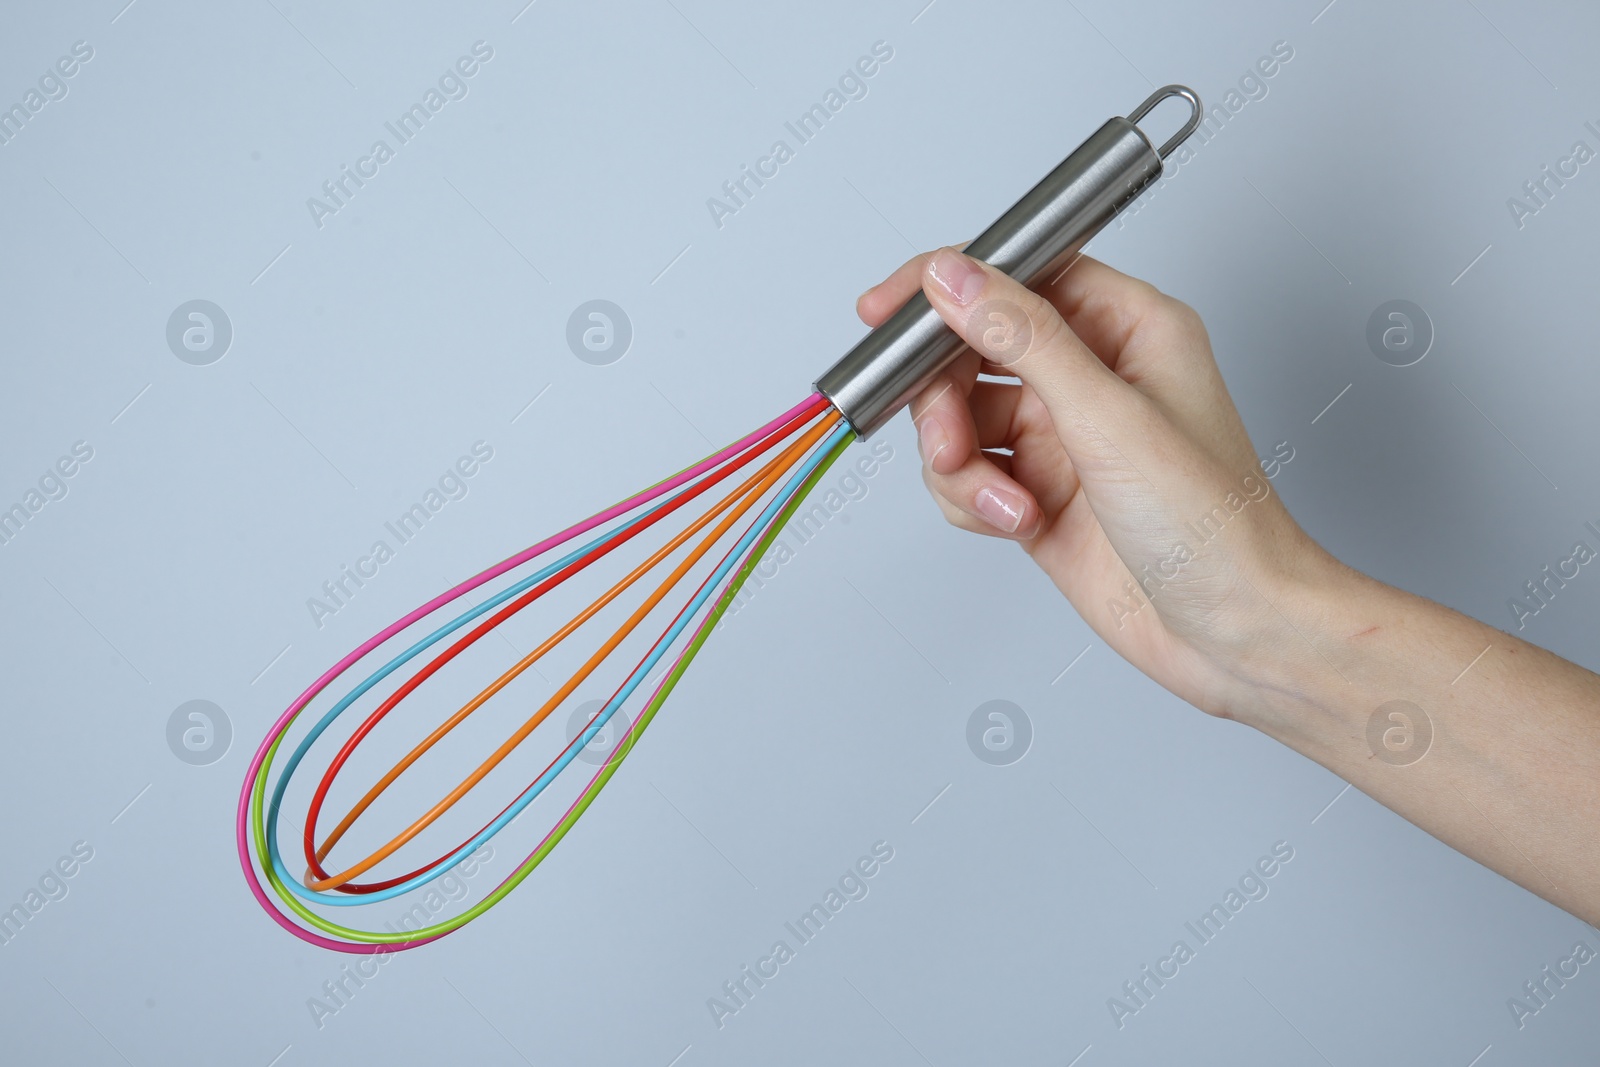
column 1035, row 238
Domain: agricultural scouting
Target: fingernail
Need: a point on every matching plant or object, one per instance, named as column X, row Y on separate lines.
column 931, row 438
column 958, row 276
column 1001, row 509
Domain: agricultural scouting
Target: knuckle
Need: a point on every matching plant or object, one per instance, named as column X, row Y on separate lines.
column 1148, row 292
column 952, row 514
column 1050, row 331
column 1184, row 317
column 932, row 396
column 1181, row 311
column 1144, row 301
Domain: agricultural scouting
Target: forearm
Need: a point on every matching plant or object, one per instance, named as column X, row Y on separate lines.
column 1511, row 773
column 1119, row 461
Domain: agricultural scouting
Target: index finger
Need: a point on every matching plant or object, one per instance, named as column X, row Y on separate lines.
column 882, row 300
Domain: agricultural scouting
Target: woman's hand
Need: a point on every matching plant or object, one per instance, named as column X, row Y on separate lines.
column 1118, row 461
column 1130, row 480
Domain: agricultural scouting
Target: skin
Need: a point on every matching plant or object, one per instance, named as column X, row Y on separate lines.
column 1112, row 440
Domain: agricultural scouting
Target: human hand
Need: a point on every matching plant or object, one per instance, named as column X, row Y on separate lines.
column 1118, row 461
column 1130, row 478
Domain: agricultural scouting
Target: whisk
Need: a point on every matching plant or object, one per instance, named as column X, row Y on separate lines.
column 771, row 471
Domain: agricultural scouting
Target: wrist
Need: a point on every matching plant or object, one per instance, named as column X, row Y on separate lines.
column 1325, row 644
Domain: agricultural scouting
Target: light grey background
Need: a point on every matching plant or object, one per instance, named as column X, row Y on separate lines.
column 427, row 314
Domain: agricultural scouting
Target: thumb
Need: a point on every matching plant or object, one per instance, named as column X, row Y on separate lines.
column 1099, row 418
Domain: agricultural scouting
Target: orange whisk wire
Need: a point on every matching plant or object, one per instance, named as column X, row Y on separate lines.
column 740, row 500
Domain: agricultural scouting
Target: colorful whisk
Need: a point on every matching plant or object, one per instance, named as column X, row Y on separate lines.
column 766, row 475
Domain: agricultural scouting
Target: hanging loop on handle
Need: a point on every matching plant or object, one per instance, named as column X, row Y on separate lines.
column 1034, row 240
column 1189, row 127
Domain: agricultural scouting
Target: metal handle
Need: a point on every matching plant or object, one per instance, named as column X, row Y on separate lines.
column 1036, row 237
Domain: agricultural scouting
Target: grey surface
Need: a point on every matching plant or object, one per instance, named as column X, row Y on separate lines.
column 369, row 354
